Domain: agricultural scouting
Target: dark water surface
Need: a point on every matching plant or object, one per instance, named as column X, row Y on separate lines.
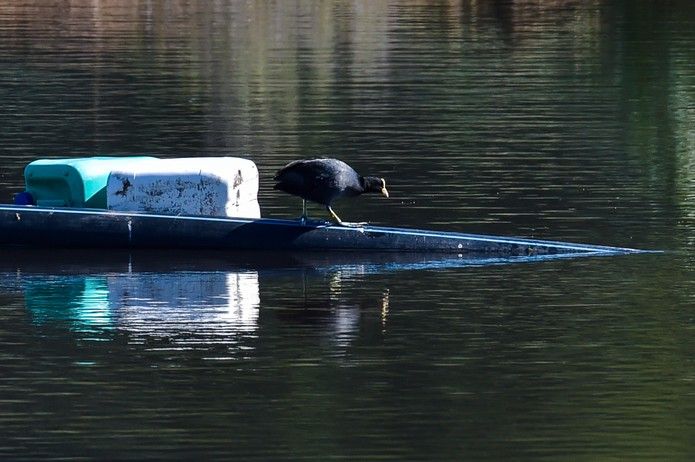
column 561, row 119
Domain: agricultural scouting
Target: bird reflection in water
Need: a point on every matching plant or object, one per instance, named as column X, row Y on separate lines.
column 335, row 302
column 384, row 309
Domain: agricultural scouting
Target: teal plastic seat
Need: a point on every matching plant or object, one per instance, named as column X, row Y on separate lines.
column 78, row 182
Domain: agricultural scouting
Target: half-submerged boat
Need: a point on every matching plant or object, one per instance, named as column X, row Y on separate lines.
column 148, row 203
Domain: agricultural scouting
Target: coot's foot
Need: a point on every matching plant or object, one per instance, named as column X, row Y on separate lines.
column 306, row 221
column 349, row 224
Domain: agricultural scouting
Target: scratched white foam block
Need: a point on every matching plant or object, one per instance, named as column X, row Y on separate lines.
column 209, row 186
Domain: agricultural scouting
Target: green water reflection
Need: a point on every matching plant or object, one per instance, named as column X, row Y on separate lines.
column 82, row 301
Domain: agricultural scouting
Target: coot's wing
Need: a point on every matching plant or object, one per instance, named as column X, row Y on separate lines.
column 307, row 178
column 289, row 168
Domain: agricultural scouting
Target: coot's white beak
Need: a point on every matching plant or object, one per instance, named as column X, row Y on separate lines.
column 383, row 188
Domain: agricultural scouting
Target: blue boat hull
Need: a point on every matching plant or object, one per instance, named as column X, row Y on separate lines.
column 28, row 226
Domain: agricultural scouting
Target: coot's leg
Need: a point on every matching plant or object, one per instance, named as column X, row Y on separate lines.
column 303, row 219
column 341, row 222
column 334, row 215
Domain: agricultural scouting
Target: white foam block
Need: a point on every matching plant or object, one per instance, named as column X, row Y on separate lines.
column 209, row 186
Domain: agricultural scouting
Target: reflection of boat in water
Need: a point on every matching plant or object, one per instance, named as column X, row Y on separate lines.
column 188, row 295
column 155, row 304
column 178, row 299
column 195, row 309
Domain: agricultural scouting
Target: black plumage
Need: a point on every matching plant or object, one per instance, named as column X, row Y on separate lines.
column 325, row 180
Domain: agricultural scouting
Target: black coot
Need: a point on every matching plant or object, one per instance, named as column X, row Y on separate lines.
column 325, row 180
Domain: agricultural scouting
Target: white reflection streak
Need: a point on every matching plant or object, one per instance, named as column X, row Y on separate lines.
column 181, row 304
column 384, row 309
column 345, row 325
column 243, row 300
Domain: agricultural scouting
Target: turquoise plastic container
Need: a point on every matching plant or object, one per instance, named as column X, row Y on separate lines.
column 79, row 182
